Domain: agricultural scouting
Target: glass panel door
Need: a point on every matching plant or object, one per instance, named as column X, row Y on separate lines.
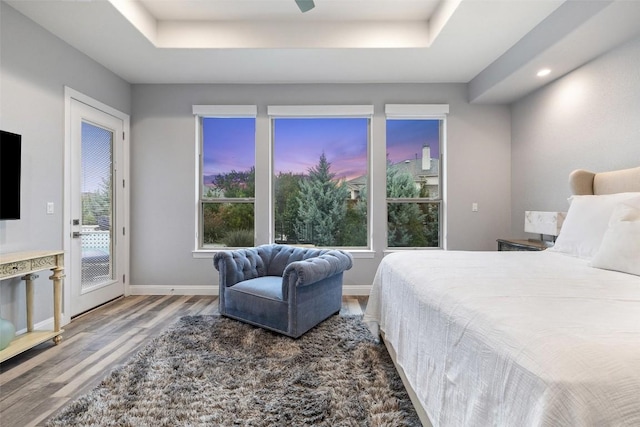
column 97, row 206
column 97, row 245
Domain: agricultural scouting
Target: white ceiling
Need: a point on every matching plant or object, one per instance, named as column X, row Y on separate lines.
column 275, row 10
column 494, row 45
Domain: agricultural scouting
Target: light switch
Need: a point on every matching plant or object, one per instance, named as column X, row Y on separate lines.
column 49, row 208
column 474, row 207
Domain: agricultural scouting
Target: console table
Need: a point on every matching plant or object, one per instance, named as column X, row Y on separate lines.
column 24, row 265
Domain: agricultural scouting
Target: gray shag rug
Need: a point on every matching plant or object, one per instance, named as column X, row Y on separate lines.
column 214, row 371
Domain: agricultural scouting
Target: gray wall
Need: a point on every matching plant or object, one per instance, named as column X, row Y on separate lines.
column 588, row 119
column 163, row 177
column 34, row 68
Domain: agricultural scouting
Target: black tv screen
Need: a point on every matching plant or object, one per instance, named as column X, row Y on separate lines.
column 10, row 148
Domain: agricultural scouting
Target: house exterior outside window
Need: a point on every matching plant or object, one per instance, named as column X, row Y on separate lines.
column 415, row 140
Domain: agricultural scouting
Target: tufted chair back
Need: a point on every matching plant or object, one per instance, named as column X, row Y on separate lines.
column 264, row 260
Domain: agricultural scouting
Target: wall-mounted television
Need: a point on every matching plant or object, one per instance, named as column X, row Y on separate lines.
column 10, row 160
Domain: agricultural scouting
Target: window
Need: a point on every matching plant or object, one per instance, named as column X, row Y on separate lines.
column 314, row 176
column 414, row 180
column 226, row 176
column 320, row 175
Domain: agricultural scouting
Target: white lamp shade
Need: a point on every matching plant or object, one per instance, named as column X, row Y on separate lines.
column 548, row 223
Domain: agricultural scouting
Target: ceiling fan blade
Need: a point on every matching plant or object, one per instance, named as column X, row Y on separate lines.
column 305, row 5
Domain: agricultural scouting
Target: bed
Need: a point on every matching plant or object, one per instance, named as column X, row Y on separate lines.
column 549, row 338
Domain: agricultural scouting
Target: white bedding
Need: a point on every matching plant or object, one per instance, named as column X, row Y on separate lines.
column 512, row 338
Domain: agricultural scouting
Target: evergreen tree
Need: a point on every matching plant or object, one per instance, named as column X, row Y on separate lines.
column 353, row 231
column 287, row 186
column 321, row 205
column 96, row 206
column 405, row 220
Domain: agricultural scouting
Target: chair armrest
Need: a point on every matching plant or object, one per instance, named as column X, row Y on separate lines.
column 314, row 269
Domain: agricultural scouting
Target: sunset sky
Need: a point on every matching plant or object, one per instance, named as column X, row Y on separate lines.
column 299, row 144
column 96, row 157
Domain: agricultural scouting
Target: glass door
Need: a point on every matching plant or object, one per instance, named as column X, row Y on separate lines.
column 96, row 140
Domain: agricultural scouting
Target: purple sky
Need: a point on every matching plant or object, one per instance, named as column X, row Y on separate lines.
column 229, row 144
column 300, row 142
column 405, row 139
column 96, row 157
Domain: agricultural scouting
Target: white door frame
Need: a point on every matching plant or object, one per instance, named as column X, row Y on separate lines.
column 70, row 94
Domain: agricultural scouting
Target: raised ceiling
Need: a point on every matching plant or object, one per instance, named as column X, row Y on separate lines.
column 494, row 45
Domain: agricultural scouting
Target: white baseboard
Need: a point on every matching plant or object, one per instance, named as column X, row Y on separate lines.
column 356, row 290
column 348, row 290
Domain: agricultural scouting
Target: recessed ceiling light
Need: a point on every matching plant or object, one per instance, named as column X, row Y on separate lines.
column 543, row 72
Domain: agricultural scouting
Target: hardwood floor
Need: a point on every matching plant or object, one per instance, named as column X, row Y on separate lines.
column 38, row 382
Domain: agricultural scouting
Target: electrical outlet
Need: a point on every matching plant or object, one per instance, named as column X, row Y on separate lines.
column 49, row 208
column 474, row 207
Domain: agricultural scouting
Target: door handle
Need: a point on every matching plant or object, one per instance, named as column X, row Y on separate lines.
column 77, row 234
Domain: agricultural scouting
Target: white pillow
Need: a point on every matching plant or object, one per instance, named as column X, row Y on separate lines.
column 587, row 221
column 620, row 248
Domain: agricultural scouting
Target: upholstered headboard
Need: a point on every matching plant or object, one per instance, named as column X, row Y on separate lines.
column 583, row 182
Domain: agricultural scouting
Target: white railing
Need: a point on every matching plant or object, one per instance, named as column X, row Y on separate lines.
column 96, row 239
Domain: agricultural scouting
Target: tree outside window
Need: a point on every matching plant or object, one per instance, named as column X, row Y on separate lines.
column 228, row 182
column 318, row 163
column 413, row 183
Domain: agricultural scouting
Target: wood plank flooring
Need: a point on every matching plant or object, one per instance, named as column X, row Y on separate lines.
column 38, row 382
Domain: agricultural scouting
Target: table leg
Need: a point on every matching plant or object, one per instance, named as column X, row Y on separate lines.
column 28, row 279
column 57, row 278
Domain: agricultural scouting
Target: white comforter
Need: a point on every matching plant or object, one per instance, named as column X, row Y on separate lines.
column 512, row 338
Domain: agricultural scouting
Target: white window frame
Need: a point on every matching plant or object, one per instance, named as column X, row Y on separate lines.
column 423, row 112
column 319, row 112
column 219, row 112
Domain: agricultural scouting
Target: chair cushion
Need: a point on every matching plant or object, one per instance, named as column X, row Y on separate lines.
column 257, row 301
column 266, row 287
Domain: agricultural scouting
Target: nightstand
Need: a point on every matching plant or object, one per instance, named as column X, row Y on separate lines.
column 521, row 245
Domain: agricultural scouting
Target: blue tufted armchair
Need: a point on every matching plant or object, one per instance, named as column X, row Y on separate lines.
column 283, row 288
